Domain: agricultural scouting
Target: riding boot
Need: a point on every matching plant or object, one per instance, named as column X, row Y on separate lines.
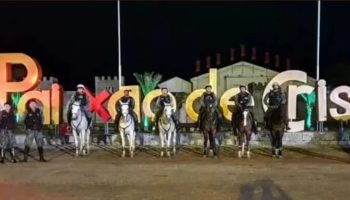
column 2, row 160
column 41, row 154
column 26, row 152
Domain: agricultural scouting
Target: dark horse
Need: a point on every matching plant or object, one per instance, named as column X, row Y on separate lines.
column 276, row 126
column 244, row 124
column 209, row 124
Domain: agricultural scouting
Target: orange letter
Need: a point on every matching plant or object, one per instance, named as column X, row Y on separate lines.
column 30, row 81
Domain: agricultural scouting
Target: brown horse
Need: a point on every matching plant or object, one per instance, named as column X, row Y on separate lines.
column 209, row 124
column 244, row 124
column 276, row 126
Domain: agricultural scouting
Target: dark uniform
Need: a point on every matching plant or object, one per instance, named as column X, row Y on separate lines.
column 243, row 101
column 161, row 101
column 275, row 99
column 131, row 103
column 7, row 138
column 207, row 97
column 84, row 103
column 34, row 124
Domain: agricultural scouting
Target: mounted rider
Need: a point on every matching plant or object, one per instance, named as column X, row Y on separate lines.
column 207, row 97
column 131, row 103
column 79, row 95
column 163, row 99
column 275, row 99
column 243, row 101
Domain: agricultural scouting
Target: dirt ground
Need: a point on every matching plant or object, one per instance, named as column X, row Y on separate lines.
column 313, row 173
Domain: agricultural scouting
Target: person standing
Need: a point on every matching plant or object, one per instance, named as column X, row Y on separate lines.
column 34, row 124
column 7, row 126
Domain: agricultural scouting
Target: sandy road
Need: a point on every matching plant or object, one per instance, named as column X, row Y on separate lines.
column 316, row 173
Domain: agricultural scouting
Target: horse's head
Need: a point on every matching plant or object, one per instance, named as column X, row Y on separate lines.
column 209, row 106
column 168, row 110
column 76, row 109
column 124, row 108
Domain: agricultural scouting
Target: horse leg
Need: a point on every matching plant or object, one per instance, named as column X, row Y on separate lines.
column 13, row 155
column 88, row 141
column 215, row 142
column 161, row 137
column 241, row 143
column 75, row 142
column 132, row 143
column 205, row 143
column 248, row 136
column 273, row 143
column 83, row 142
column 168, row 142
column 122, row 136
column 212, row 141
column 2, row 155
column 280, row 137
column 174, row 142
column 129, row 141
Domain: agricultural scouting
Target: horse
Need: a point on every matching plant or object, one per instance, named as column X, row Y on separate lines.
column 80, row 126
column 276, row 126
column 209, row 125
column 127, row 128
column 167, row 131
column 244, row 125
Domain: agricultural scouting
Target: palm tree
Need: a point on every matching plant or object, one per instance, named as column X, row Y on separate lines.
column 310, row 101
column 15, row 100
column 148, row 82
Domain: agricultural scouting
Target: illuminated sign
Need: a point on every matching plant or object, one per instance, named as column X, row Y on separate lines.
column 51, row 100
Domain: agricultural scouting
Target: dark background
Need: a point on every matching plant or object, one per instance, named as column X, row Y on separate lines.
column 74, row 41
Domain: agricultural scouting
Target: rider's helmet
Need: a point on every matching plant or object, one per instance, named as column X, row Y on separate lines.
column 275, row 84
column 243, row 86
column 208, row 86
column 80, row 86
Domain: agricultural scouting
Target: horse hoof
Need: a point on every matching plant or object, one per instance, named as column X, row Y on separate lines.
column 215, row 157
column 14, row 161
column 280, row 157
column 239, row 154
column 248, row 155
column 168, row 154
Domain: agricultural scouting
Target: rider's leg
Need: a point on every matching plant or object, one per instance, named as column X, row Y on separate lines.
column 156, row 118
column 255, row 128
column 233, row 122
column 69, row 116
column 117, row 119
column 267, row 117
column 285, row 116
column 174, row 118
column 134, row 116
column 200, row 116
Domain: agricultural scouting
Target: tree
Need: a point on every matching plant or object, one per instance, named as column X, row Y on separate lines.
column 148, row 82
column 15, row 100
column 310, row 101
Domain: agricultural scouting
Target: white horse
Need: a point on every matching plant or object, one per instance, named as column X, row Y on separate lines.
column 167, row 131
column 127, row 128
column 80, row 126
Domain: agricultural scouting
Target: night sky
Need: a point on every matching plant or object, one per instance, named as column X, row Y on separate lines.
column 72, row 39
